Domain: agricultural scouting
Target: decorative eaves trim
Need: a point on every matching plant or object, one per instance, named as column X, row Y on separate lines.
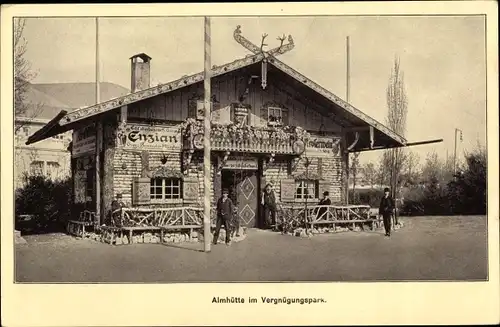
column 335, row 99
column 157, row 90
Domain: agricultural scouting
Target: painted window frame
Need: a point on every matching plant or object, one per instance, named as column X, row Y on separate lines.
column 162, row 196
column 301, row 184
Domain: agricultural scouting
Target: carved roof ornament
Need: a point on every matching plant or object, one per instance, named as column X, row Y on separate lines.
column 256, row 50
column 281, row 49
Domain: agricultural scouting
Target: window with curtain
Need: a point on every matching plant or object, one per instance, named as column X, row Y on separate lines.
column 306, row 189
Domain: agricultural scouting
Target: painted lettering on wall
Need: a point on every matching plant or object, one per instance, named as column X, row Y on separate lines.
column 241, row 163
column 84, row 141
column 150, row 137
column 323, row 145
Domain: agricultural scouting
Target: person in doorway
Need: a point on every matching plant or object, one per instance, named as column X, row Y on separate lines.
column 269, row 203
column 225, row 209
column 386, row 208
column 325, row 201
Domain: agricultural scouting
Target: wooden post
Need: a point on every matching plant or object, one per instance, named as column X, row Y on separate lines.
column 97, row 160
column 98, row 173
column 206, row 141
column 345, row 166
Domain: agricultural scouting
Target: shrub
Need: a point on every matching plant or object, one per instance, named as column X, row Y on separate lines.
column 48, row 201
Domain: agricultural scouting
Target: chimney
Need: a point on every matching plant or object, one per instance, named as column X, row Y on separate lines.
column 140, row 64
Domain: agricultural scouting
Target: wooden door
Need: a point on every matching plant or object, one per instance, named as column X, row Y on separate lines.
column 247, row 198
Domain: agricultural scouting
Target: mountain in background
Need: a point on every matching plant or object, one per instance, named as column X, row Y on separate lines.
column 46, row 100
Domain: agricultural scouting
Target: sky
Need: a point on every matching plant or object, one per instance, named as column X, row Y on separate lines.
column 442, row 58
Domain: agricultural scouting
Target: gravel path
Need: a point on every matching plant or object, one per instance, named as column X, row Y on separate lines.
column 427, row 248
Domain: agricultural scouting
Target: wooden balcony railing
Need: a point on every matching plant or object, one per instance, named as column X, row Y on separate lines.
column 245, row 138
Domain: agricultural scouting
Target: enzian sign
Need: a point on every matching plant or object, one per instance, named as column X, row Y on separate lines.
column 145, row 137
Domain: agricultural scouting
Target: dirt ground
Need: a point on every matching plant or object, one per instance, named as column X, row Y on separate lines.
column 426, row 248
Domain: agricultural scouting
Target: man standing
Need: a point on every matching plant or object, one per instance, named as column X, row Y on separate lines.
column 269, row 203
column 324, row 202
column 385, row 209
column 225, row 209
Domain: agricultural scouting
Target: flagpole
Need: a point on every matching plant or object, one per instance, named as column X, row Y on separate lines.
column 98, row 130
column 206, row 140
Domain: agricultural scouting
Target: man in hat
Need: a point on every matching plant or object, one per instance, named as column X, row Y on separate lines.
column 269, row 203
column 324, row 202
column 386, row 208
column 225, row 209
column 116, row 205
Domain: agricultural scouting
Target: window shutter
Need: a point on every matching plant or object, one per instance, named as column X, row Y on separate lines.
column 320, row 167
column 192, row 108
column 287, row 190
column 190, row 190
column 144, row 164
column 322, row 187
column 263, row 116
column 284, row 117
column 141, row 190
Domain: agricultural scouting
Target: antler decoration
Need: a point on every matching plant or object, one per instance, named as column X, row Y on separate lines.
column 282, row 48
column 256, row 50
column 262, row 44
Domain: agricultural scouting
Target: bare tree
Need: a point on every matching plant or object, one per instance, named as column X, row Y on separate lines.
column 397, row 103
column 411, row 172
column 23, row 75
column 370, row 173
column 354, row 167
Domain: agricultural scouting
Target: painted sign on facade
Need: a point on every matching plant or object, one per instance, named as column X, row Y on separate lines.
column 242, row 163
column 84, row 141
column 222, row 115
column 145, row 137
column 323, row 146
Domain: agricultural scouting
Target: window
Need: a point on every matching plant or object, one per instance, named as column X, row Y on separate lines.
column 274, row 116
column 36, row 168
column 166, row 188
column 306, row 189
column 52, row 168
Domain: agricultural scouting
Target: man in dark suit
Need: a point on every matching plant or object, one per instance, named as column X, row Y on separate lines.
column 225, row 209
column 386, row 208
column 324, row 202
column 270, row 207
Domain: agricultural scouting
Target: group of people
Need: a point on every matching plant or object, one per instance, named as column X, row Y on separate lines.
column 225, row 211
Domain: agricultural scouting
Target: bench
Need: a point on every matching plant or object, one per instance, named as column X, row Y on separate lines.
column 76, row 227
column 371, row 222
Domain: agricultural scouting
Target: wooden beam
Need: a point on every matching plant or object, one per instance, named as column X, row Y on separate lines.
column 123, row 114
column 354, row 143
column 399, row 146
column 372, row 140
